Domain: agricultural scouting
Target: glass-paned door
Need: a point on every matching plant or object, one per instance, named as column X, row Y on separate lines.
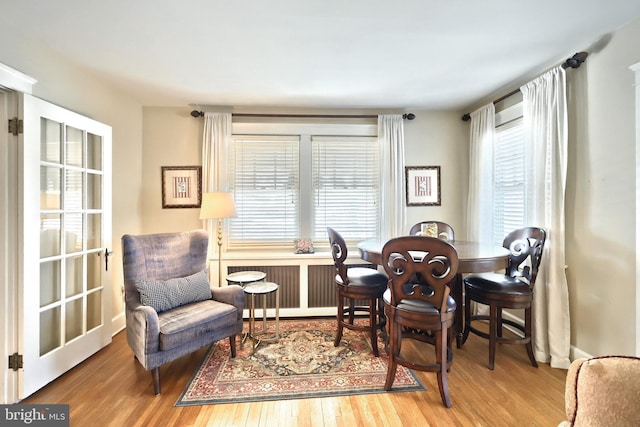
column 66, row 197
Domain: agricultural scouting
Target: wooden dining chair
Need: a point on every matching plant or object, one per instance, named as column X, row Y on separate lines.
column 424, row 310
column 444, row 230
column 512, row 290
column 354, row 285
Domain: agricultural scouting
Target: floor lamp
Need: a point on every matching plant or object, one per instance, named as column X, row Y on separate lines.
column 218, row 206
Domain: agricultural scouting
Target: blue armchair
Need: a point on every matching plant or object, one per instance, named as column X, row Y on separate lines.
column 171, row 309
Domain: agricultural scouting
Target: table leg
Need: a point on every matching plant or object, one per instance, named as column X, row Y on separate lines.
column 252, row 320
column 277, row 313
column 264, row 313
column 458, row 320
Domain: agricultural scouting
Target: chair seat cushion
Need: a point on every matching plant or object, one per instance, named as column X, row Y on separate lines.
column 164, row 295
column 498, row 284
column 419, row 305
column 188, row 322
column 362, row 276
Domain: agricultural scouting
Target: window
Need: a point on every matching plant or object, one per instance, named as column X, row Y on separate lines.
column 288, row 186
column 346, row 186
column 509, row 205
column 265, row 182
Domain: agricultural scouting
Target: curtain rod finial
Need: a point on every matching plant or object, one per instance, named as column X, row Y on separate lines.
column 466, row 117
column 196, row 113
column 409, row 116
column 575, row 60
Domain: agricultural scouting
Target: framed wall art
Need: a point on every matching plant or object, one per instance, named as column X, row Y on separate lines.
column 422, row 185
column 181, row 186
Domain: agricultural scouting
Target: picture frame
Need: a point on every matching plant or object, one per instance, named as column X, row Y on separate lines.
column 422, row 184
column 181, row 187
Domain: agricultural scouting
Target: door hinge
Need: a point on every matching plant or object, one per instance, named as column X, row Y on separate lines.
column 15, row 361
column 15, row 126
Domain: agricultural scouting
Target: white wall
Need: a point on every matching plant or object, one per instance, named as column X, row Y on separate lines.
column 437, row 138
column 173, row 138
column 601, row 207
column 64, row 84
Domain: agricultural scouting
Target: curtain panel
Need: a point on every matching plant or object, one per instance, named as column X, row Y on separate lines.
column 392, row 206
column 480, row 197
column 216, row 137
column 545, row 133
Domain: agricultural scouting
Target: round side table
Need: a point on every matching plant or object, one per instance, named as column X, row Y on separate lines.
column 262, row 288
column 243, row 277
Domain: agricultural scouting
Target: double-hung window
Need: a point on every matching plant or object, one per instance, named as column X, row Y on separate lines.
column 293, row 181
column 509, row 201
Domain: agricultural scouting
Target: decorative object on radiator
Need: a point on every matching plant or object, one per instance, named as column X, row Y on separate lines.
column 303, row 246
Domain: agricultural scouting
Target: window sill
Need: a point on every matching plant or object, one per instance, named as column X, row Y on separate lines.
column 277, row 255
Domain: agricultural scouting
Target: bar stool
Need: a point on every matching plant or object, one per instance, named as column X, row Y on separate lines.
column 262, row 288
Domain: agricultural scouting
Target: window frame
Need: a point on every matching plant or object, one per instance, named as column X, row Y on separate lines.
column 306, row 128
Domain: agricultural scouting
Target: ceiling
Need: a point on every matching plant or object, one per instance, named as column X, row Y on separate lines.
column 422, row 54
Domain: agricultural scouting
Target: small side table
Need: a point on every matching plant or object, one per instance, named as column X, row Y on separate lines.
column 243, row 277
column 262, row 288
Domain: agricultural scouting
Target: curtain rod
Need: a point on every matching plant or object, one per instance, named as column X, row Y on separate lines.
column 573, row 62
column 408, row 116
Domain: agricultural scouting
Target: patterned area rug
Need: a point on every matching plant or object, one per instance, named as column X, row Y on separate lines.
column 302, row 364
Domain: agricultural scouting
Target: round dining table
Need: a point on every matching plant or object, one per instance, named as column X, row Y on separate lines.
column 473, row 257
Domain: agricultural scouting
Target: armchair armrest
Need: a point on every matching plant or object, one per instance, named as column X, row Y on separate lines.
column 232, row 294
column 143, row 331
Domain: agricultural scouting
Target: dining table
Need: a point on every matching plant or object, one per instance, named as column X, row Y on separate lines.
column 473, row 257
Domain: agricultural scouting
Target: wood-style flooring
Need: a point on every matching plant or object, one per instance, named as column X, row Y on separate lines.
column 112, row 389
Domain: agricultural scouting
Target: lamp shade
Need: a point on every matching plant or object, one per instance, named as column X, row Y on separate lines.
column 217, row 205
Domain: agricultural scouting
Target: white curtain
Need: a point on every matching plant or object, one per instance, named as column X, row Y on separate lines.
column 215, row 144
column 392, row 206
column 480, row 198
column 545, row 130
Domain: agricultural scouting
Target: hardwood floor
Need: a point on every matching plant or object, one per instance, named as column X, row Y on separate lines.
column 112, row 389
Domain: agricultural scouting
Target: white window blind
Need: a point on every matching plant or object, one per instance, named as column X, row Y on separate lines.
column 346, row 186
column 264, row 178
column 509, row 198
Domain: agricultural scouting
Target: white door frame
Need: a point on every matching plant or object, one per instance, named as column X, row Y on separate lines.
column 14, row 81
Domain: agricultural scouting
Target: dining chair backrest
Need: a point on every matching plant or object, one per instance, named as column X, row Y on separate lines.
column 339, row 252
column 525, row 247
column 433, row 261
column 444, row 231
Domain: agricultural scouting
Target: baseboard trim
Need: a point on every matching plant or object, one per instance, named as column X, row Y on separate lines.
column 118, row 324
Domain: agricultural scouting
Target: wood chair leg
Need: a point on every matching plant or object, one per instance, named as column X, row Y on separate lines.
column 352, row 311
column 155, row 374
column 527, row 333
column 232, row 342
column 441, row 359
column 395, row 337
column 467, row 319
column 373, row 322
column 340, row 317
column 493, row 333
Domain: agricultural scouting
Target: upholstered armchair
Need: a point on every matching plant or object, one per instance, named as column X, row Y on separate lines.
column 603, row 391
column 171, row 308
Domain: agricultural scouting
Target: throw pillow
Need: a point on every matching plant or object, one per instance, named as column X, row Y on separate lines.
column 164, row 295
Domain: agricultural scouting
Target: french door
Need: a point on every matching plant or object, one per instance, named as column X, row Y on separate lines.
column 64, row 241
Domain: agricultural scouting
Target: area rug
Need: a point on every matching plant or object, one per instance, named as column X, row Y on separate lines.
column 304, row 363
